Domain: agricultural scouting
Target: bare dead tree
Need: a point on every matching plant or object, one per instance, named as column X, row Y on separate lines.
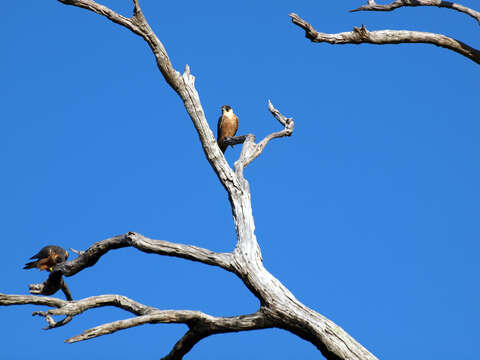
column 278, row 306
column 361, row 35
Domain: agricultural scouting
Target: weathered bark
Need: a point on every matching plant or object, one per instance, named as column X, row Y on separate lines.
column 278, row 306
column 362, row 35
column 372, row 6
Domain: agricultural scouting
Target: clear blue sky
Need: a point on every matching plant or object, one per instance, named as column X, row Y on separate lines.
column 369, row 213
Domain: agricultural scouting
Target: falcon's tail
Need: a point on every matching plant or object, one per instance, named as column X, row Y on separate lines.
column 222, row 146
column 30, row 265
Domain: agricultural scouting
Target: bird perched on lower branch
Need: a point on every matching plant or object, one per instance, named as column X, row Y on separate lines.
column 227, row 126
column 48, row 257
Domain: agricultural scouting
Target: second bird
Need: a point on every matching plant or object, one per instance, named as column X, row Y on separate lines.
column 227, row 126
column 48, row 257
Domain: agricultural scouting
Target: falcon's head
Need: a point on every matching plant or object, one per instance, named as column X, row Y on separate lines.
column 226, row 108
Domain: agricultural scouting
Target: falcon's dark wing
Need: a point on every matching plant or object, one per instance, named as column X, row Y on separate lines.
column 47, row 257
column 219, row 128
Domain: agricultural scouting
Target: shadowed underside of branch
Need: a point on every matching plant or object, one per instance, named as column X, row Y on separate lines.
column 360, row 35
column 278, row 306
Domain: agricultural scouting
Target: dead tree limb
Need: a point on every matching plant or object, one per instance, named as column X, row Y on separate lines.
column 360, row 35
column 278, row 306
column 372, row 6
column 90, row 257
column 200, row 324
column 234, row 140
column 251, row 151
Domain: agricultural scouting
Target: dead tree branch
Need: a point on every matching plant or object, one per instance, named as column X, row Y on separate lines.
column 251, row 151
column 200, row 324
column 90, row 257
column 372, row 6
column 235, row 140
column 279, row 307
column 362, row 35
column 184, row 345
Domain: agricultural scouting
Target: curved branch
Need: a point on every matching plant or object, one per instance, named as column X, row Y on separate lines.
column 251, row 151
column 104, row 11
column 362, row 35
column 201, row 323
column 52, row 323
column 90, row 257
column 73, row 308
column 372, row 6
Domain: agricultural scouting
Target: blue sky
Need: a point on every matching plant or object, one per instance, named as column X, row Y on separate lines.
column 369, row 213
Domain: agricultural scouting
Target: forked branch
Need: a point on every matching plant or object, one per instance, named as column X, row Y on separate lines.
column 251, row 150
column 201, row 325
column 362, row 35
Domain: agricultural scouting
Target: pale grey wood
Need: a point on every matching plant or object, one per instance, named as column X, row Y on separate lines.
column 279, row 307
column 90, row 257
column 372, row 6
column 362, row 35
column 200, row 323
column 251, row 151
column 195, row 319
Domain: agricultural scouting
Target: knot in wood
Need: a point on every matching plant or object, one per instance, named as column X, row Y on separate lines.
column 361, row 32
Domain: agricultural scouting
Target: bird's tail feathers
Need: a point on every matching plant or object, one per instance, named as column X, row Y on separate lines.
column 30, row 265
column 221, row 145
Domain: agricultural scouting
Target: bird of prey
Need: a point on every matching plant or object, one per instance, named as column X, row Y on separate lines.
column 227, row 126
column 48, row 257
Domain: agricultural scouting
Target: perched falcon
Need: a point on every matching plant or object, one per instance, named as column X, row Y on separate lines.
column 227, row 126
column 48, row 257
